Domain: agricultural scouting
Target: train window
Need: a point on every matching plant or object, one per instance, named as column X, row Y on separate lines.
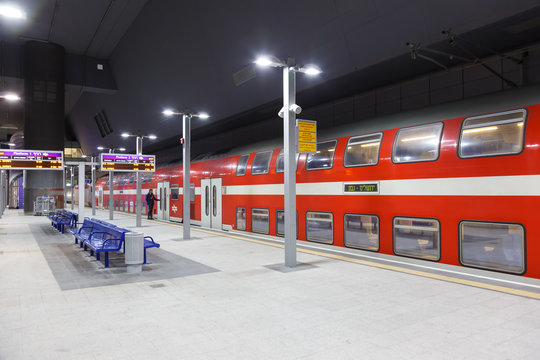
column 362, row 150
column 280, row 163
column 192, row 192
column 143, row 178
column 150, row 178
column 362, row 231
column 418, row 143
column 241, row 218
column 242, row 165
column 417, row 237
column 280, row 223
column 175, row 192
column 260, row 221
column 132, row 179
column 494, row 134
column 207, row 200
column 261, row 163
column 494, row 246
column 320, row 227
column 323, row 158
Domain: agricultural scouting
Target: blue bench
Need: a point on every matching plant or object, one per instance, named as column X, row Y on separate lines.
column 63, row 217
column 99, row 237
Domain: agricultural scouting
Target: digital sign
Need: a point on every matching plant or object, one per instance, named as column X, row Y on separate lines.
column 31, row 159
column 372, row 188
column 127, row 162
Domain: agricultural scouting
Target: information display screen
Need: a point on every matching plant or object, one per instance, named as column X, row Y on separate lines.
column 361, row 188
column 128, row 162
column 31, row 159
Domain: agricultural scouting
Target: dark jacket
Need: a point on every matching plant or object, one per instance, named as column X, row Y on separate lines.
column 150, row 199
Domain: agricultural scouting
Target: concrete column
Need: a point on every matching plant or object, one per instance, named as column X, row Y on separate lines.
column 82, row 189
column 44, row 120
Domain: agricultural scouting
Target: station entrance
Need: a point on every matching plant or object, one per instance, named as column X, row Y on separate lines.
column 163, row 194
column 211, row 215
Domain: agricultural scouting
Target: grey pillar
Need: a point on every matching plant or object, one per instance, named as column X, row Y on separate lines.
column 93, row 189
column 289, row 152
column 2, row 192
column 111, row 192
column 139, row 195
column 82, row 186
column 186, row 216
column 72, row 189
column 65, row 186
column 44, row 118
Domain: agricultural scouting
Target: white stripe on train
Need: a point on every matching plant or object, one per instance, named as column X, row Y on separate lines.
column 519, row 185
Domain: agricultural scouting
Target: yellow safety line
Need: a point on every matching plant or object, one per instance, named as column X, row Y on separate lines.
column 504, row 289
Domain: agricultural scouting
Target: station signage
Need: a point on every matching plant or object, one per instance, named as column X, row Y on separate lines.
column 306, row 136
column 128, row 162
column 361, row 188
column 31, row 159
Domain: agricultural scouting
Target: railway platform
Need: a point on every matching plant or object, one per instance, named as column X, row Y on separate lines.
column 227, row 295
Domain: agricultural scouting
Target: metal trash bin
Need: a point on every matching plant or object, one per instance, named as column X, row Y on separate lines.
column 134, row 251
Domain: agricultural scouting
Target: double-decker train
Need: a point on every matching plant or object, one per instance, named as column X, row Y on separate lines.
column 459, row 190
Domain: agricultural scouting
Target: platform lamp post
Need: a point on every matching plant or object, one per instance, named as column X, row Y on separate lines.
column 186, row 159
column 92, row 182
column 139, row 142
column 288, row 112
column 111, row 184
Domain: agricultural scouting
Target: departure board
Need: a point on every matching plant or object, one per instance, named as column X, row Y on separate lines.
column 31, row 159
column 127, row 162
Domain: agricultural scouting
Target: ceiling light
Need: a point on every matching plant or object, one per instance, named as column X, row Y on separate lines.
column 122, row 149
column 269, row 61
column 11, row 144
column 203, row 116
column 152, row 137
column 100, row 148
column 11, row 97
column 124, row 135
column 310, row 69
column 168, row 112
column 12, row 12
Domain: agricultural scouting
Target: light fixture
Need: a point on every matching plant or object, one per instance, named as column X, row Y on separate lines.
column 269, row 60
column 100, row 148
column 122, row 149
column 12, row 12
column 310, row 69
column 125, row 135
column 152, row 137
column 169, row 112
column 10, row 97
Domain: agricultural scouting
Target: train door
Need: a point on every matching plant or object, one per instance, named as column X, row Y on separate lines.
column 211, row 215
column 163, row 194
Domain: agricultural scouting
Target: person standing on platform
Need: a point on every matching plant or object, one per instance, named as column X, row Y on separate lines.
column 150, row 198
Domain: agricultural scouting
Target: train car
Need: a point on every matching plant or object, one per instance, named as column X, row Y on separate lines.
column 458, row 190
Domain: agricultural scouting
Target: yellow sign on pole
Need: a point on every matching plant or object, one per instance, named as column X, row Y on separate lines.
column 307, row 136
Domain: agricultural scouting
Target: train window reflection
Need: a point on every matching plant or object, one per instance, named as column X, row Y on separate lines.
column 280, row 163
column 418, row 143
column 260, row 221
column 362, row 231
column 362, row 150
column 280, row 223
column 494, row 246
column 494, row 134
column 242, row 164
column 150, row 178
column 261, row 163
column 320, row 227
column 417, row 237
column 323, row 158
column 241, row 218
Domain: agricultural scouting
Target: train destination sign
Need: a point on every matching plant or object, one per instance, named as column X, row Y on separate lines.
column 366, row 188
column 128, row 162
column 31, row 159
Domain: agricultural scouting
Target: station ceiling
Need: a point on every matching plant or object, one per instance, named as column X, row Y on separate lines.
column 183, row 54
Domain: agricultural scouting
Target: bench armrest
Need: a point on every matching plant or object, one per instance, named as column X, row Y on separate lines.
column 151, row 239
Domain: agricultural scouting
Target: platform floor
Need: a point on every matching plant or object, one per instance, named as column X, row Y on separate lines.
column 228, row 296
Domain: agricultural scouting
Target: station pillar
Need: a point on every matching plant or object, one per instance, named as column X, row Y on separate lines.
column 44, row 119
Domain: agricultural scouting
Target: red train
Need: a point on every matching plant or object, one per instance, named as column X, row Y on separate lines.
column 461, row 191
